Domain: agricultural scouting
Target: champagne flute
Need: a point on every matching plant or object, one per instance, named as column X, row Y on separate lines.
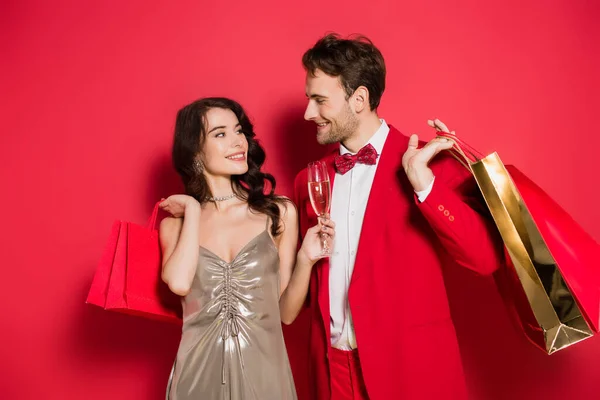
column 319, row 190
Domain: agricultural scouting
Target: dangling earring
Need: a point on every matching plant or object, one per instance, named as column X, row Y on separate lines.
column 199, row 166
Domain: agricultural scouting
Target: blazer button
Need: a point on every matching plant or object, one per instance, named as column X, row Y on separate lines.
column 441, row 207
column 446, row 213
column 451, row 218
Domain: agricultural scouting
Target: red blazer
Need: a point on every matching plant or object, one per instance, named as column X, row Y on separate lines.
column 406, row 339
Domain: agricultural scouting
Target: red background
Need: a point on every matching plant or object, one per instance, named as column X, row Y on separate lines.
column 89, row 94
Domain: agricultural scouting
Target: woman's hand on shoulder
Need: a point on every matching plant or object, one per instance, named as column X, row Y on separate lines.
column 178, row 204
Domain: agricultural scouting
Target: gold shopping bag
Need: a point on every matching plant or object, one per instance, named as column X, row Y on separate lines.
column 550, row 283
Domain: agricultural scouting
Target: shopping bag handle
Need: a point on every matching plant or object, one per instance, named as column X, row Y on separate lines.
column 461, row 151
column 152, row 221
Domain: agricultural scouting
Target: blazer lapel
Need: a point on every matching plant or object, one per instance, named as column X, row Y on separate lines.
column 380, row 198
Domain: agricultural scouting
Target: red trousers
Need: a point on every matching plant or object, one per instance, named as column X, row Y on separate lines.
column 347, row 381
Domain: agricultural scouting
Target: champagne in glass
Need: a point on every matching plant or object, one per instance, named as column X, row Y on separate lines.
column 319, row 197
column 319, row 190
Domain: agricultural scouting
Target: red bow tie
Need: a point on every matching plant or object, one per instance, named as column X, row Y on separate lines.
column 366, row 155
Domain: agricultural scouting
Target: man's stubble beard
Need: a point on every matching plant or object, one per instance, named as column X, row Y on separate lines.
column 342, row 129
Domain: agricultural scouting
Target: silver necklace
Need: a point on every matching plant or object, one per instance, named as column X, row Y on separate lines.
column 222, row 198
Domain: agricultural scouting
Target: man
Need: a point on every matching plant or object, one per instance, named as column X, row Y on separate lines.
column 380, row 321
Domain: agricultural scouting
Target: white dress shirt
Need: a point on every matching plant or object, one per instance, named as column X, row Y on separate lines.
column 348, row 205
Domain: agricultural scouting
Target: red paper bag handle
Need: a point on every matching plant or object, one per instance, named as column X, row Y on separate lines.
column 464, row 153
column 152, row 221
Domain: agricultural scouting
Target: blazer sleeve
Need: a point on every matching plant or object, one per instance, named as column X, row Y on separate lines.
column 456, row 211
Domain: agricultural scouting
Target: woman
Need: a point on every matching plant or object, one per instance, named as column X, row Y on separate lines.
column 230, row 249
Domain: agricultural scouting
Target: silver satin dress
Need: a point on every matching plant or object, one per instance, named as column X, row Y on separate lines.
column 232, row 345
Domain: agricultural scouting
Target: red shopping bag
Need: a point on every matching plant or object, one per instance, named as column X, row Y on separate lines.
column 576, row 253
column 128, row 277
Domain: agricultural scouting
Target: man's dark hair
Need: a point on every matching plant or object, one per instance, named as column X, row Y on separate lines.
column 356, row 61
